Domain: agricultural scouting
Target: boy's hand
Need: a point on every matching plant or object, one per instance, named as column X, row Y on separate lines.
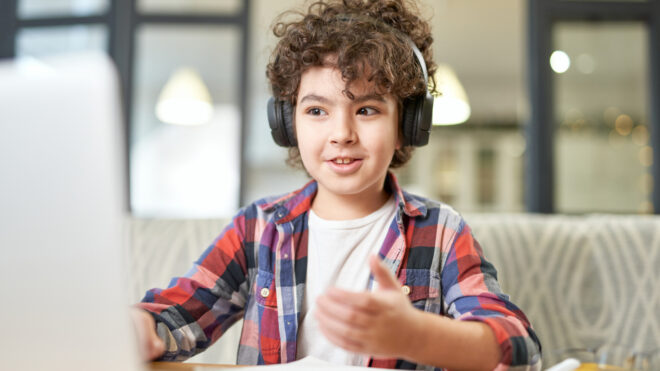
column 379, row 323
column 150, row 345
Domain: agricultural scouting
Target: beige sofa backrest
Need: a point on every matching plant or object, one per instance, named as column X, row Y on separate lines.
column 583, row 281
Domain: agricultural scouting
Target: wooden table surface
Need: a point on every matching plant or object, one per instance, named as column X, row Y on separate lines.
column 177, row 366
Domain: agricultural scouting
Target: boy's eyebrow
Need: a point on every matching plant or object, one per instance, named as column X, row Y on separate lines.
column 368, row 97
column 315, row 98
column 356, row 99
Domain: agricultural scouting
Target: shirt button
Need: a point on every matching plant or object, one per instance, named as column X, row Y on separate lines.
column 265, row 292
column 406, row 289
column 286, row 256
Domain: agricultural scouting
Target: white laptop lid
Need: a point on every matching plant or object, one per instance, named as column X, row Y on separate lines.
column 62, row 213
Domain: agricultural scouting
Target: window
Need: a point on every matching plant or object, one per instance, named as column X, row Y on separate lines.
column 61, row 8
column 175, row 171
column 42, row 41
column 602, row 151
column 186, row 170
column 595, row 107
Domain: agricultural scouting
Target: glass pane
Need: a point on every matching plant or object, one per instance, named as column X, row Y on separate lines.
column 49, row 8
column 602, row 152
column 190, row 6
column 473, row 167
column 186, row 171
column 42, row 41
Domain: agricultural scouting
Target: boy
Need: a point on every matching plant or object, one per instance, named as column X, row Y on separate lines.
column 349, row 268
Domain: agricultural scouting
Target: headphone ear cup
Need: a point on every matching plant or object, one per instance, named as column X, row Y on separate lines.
column 425, row 114
column 408, row 121
column 416, row 120
column 287, row 119
column 280, row 120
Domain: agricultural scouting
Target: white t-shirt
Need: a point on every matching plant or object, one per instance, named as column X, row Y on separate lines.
column 338, row 255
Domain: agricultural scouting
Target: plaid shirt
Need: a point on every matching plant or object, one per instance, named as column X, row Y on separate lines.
column 256, row 270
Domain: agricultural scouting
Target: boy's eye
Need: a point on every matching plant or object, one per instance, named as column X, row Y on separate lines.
column 315, row 111
column 367, row 111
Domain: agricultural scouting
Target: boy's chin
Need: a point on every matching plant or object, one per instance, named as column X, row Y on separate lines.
column 351, row 187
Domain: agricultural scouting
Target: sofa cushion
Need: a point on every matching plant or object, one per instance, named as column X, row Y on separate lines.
column 583, row 281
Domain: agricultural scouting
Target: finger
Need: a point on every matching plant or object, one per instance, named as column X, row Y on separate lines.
column 151, row 346
column 156, row 347
column 140, row 325
column 343, row 342
column 341, row 312
column 382, row 275
column 362, row 301
column 339, row 333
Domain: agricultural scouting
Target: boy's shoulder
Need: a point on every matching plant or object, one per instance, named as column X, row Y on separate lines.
column 283, row 205
column 431, row 211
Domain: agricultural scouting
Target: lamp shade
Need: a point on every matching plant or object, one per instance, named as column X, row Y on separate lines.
column 185, row 99
column 450, row 106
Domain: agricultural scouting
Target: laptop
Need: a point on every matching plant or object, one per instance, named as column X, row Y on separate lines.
column 63, row 211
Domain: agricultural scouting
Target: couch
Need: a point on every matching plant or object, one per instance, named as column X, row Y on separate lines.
column 582, row 280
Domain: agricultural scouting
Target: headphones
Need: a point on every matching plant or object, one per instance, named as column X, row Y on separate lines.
column 416, row 117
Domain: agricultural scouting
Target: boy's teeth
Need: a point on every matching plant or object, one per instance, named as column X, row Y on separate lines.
column 343, row 160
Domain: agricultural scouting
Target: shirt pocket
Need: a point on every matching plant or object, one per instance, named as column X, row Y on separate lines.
column 425, row 289
column 265, row 291
column 269, row 337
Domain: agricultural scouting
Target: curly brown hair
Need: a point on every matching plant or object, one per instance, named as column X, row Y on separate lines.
column 360, row 37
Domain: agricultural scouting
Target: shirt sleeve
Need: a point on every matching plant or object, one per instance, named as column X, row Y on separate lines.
column 196, row 309
column 472, row 293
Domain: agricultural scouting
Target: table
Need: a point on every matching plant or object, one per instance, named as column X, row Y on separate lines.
column 177, row 366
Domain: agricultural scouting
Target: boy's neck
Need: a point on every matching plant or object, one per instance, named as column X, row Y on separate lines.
column 331, row 206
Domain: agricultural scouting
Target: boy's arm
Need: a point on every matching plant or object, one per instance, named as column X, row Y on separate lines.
column 188, row 315
column 385, row 324
column 471, row 295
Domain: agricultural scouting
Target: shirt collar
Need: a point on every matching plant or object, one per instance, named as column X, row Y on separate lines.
column 409, row 204
column 294, row 204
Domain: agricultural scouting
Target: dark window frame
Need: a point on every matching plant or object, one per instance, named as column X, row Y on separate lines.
column 8, row 28
column 540, row 131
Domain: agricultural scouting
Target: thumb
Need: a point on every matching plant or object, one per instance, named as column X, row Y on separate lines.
column 156, row 346
column 150, row 345
column 382, row 275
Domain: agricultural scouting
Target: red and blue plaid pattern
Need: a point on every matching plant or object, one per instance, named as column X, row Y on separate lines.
column 256, row 270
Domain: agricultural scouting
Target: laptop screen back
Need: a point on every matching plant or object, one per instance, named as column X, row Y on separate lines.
column 62, row 214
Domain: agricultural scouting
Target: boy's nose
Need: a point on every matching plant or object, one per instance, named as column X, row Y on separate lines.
column 343, row 131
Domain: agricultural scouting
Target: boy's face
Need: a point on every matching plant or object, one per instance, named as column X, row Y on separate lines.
column 345, row 144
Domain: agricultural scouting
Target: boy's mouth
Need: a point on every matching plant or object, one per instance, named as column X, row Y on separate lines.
column 345, row 165
column 342, row 160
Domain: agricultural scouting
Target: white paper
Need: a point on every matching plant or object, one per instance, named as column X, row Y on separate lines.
column 307, row 363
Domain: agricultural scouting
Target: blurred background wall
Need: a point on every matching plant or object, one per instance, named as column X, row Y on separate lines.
column 195, row 93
